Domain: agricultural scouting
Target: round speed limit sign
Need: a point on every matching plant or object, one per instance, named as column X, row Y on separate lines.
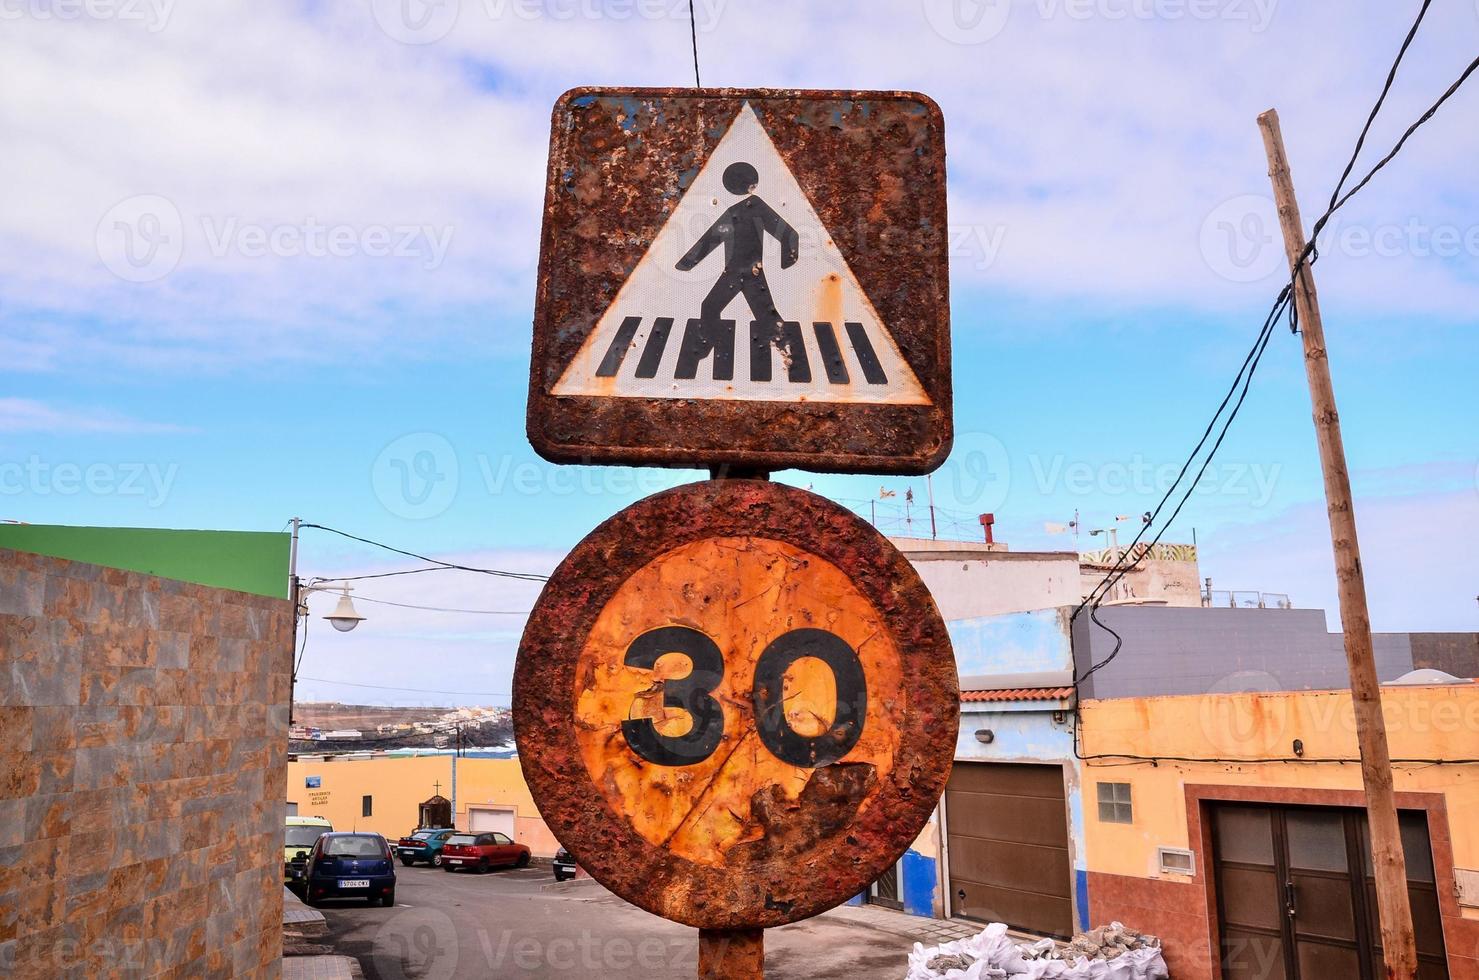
column 735, row 704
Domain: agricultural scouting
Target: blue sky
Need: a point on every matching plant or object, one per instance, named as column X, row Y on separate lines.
column 348, row 203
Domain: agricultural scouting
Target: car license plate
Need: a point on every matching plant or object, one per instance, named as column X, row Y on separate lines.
column 454, row 860
column 409, row 850
column 355, row 883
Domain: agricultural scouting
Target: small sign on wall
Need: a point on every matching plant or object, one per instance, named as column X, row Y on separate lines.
column 1466, row 883
column 313, row 782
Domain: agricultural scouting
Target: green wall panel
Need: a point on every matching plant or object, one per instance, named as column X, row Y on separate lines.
column 245, row 561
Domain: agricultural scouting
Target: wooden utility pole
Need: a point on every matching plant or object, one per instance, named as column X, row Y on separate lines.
column 1398, row 944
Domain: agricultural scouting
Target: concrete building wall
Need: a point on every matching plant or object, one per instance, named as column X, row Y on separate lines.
column 1169, row 582
column 1196, row 651
column 989, row 648
column 398, row 785
column 144, row 724
column 1125, row 882
column 1453, row 653
column 1028, row 732
column 971, row 582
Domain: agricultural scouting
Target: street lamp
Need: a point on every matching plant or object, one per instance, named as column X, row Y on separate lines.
column 344, row 617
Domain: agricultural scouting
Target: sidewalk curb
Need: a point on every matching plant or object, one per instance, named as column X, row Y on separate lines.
column 302, row 919
column 574, row 888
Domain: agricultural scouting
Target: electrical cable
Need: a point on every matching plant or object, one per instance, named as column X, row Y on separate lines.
column 302, row 648
column 693, row 36
column 1265, row 335
column 359, row 578
column 1375, row 109
column 497, row 572
column 1308, row 256
column 443, row 609
column 1310, row 252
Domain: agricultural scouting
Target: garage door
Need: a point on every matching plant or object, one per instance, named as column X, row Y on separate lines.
column 1296, row 898
column 481, row 818
column 1007, row 827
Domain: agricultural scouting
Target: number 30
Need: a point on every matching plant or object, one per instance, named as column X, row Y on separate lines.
column 694, row 694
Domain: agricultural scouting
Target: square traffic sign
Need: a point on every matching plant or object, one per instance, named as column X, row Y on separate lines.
column 752, row 278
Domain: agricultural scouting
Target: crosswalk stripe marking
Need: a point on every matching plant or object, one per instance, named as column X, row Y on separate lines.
column 620, row 344
column 831, row 353
column 652, row 353
column 699, row 342
column 798, row 370
column 867, row 357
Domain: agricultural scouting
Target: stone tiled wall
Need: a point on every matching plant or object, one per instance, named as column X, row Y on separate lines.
column 143, row 726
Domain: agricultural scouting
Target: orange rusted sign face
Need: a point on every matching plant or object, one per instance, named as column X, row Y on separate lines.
column 735, row 704
column 684, row 735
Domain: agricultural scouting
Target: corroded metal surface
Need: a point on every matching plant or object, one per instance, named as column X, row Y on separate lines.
column 736, row 704
column 733, row 954
column 872, row 164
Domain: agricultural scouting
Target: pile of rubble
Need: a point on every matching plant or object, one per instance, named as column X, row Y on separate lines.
column 1105, row 943
column 1110, row 952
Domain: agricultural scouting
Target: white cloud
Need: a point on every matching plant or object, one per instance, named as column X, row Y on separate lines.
column 1419, row 574
column 397, row 653
column 29, row 415
column 1094, row 145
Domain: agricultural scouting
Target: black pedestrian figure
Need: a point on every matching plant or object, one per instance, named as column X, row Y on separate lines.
column 741, row 229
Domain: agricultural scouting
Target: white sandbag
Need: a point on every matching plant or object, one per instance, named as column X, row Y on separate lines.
column 992, row 955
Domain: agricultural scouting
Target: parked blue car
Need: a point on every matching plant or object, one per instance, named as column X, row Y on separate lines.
column 424, row 845
column 350, row 865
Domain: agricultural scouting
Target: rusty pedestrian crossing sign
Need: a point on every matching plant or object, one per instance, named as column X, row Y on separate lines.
column 746, row 277
column 735, row 704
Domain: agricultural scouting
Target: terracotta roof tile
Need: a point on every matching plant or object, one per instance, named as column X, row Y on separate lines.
column 1018, row 694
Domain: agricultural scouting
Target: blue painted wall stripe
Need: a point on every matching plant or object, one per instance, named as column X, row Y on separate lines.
column 1081, row 886
column 918, row 885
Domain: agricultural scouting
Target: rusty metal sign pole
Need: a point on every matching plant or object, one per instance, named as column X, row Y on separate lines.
column 732, row 954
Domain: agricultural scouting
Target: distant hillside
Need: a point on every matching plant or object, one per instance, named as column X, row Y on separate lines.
column 334, row 714
column 484, row 727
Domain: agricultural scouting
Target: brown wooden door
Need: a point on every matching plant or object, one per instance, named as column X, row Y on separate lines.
column 885, row 890
column 1007, row 830
column 1295, row 897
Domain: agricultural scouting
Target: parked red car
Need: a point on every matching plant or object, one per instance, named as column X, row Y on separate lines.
column 481, row 851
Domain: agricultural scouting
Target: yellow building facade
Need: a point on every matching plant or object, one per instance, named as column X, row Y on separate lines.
column 383, row 794
column 1140, row 801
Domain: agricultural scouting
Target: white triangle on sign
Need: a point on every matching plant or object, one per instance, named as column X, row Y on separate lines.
column 815, row 337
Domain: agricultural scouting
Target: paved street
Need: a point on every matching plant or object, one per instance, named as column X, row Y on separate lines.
column 463, row 926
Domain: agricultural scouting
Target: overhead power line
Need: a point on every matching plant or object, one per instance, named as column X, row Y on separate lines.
column 1284, row 302
column 1131, row 557
column 693, row 36
column 497, row 572
column 444, row 609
